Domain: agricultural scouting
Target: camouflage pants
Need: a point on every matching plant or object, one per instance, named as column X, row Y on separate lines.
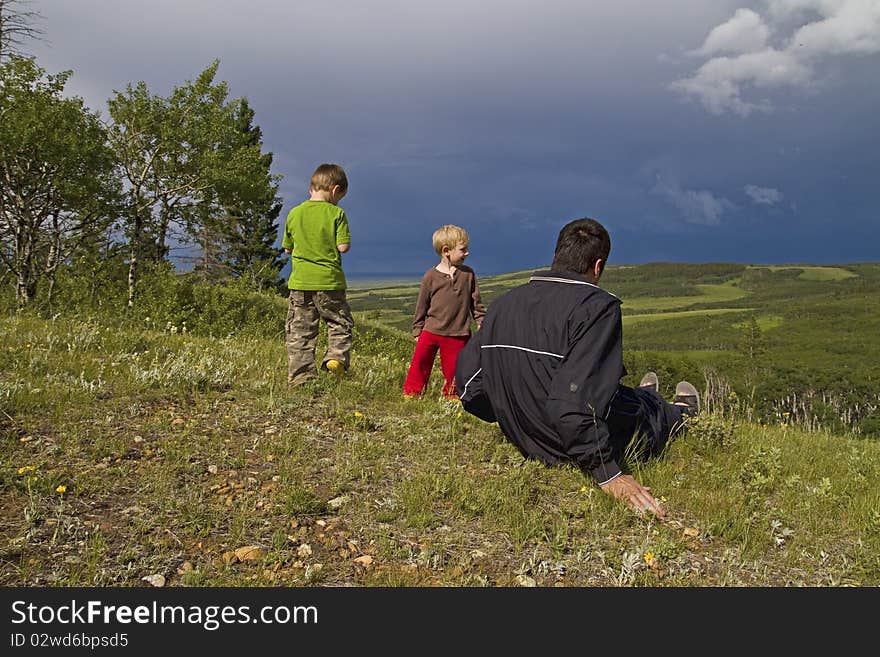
column 304, row 312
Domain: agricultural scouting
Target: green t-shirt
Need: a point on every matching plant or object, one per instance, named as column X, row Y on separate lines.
column 313, row 231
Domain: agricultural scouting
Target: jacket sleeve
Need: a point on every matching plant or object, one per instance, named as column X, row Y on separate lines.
column 469, row 381
column 478, row 310
column 422, row 303
column 582, row 389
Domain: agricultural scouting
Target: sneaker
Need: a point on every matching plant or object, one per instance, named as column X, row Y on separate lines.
column 651, row 381
column 335, row 367
column 687, row 395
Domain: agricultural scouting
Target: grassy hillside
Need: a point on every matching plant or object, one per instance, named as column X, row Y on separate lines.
column 129, row 449
column 801, row 340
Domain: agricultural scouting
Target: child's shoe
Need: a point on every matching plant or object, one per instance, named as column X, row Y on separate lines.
column 335, row 367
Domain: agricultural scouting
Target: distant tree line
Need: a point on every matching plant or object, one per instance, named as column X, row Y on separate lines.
column 185, row 170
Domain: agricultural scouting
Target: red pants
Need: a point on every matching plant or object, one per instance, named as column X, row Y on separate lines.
column 423, row 362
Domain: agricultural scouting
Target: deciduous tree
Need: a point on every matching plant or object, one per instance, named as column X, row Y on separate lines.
column 56, row 180
column 184, row 158
column 17, row 24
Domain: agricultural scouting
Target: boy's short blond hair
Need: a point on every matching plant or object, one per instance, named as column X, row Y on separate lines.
column 328, row 176
column 449, row 236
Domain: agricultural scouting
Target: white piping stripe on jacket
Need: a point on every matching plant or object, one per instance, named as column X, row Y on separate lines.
column 464, row 391
column 552, row 279
column 511, row 346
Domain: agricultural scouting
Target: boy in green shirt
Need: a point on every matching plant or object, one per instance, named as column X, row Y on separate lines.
column 316, row 235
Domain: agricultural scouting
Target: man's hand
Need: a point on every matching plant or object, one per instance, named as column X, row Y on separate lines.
column 633, row 493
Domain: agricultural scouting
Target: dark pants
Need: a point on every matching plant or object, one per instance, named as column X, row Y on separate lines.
column 641, row 422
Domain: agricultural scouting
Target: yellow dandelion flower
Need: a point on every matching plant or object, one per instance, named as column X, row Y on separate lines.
column 358, row 414
column 28, row 345
column 583, row 489
column 26, row 468
column 61, row 489
column 663, row 499
column 650, row 559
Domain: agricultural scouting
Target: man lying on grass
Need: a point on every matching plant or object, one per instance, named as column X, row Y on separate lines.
column 546, row 365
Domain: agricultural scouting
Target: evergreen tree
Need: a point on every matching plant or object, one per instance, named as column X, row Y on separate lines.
column 239, row 241
column 752, row 342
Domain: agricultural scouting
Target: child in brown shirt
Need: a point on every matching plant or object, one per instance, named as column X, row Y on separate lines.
column 448, row 298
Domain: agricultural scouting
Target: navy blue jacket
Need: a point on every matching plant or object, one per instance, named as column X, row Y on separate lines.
column 545, row 365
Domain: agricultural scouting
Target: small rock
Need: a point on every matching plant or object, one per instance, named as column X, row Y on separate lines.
column 690, row 531
column 304, row 550
column 138, row 439
column 365, row 561
column 212, row 469
column 525, row 580
column 337, row 502
column 250, row 553
column 178, row 422
column 155, row 580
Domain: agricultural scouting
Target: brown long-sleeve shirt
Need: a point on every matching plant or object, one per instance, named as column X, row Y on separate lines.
column 447, row 303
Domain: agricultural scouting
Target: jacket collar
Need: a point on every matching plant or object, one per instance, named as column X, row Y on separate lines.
column 565, row 277
column 562, row 276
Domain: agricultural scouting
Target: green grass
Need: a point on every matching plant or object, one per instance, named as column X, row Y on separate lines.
column 630, row 320
column 808, row 273
column 176, row 449
column 721, row 293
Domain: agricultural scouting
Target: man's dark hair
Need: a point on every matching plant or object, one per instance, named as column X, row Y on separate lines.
column 580, row 244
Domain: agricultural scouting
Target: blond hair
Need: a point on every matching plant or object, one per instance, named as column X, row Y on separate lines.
column 328, row 176
column 449, row 236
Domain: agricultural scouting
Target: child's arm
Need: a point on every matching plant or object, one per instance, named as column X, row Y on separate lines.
column 478, row 310
column 343, row 235
column 286, row 237
column 422, row 305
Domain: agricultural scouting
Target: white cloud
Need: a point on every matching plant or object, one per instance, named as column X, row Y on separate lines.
column 719, row 84
column 745, row 32
column 763, row 195
column 825, row 28
column 696, row 206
